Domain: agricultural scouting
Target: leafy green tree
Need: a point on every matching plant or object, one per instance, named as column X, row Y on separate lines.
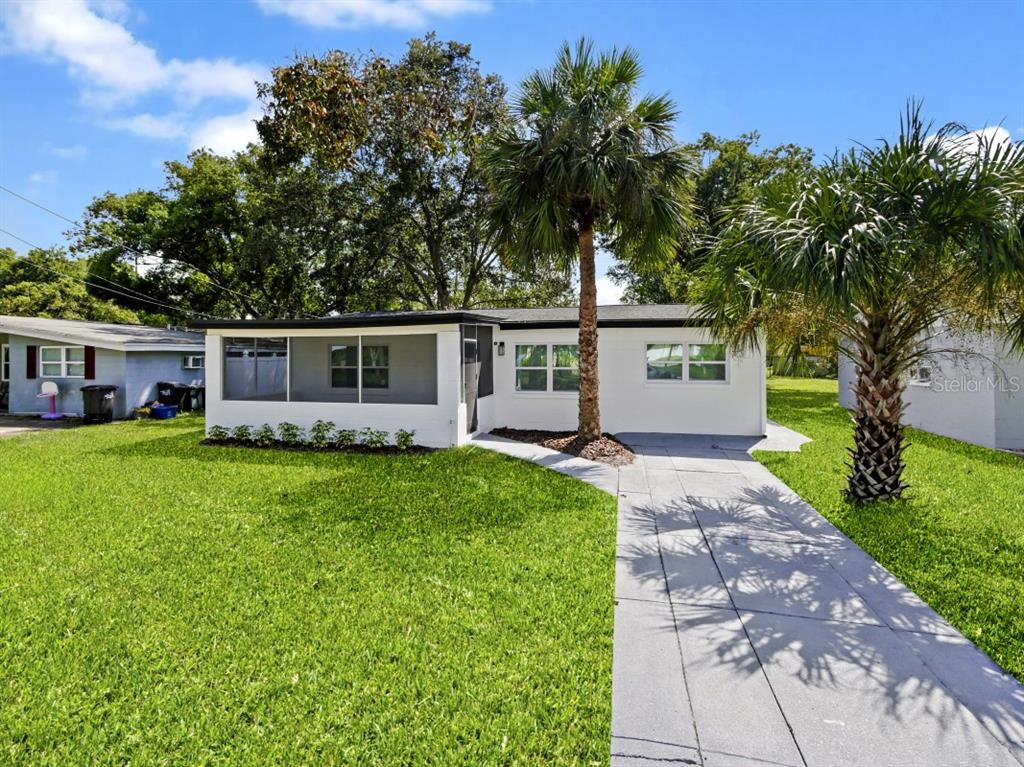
column 887, row 243
column 404, row 139
column 731, row 172
column 587, row 158
column 46, row 283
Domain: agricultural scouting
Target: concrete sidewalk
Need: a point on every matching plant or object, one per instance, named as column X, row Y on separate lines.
column 750, row 631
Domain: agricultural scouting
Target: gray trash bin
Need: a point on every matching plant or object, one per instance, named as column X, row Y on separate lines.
column 98, row 403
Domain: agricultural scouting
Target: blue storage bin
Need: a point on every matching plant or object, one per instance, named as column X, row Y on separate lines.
column 162, row 412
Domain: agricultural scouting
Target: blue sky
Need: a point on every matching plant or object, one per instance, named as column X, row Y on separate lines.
column 97, row 95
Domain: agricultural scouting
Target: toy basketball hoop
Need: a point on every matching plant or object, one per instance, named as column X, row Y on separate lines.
column 50, row 391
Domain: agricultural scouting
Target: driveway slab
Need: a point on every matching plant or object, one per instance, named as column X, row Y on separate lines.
column 794, row 646
column 750, row 632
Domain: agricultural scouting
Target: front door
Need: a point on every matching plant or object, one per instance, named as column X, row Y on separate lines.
column 470, row 380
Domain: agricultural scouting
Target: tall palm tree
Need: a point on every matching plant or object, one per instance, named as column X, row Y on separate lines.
column 588, row 158
column 888, row 244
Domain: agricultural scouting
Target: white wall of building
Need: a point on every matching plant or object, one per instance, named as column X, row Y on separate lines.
column 435, row 425
column 974, row 394
column 629, row 402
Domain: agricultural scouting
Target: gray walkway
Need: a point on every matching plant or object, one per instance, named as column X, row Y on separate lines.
column 13, row 425
column 750, row 631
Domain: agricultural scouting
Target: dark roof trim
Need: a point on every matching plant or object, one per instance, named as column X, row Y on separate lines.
column 349, row 321
column 660, row 322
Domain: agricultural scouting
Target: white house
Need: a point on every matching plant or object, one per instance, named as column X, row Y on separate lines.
column 969, row 387
column 450, row 374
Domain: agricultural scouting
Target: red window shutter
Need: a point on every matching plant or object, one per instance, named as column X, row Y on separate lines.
column 31, row 356
column 90, row 363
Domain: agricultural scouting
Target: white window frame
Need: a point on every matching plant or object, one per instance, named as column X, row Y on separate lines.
column 724, row 363
column 686, row 380
column 63, row 363
column 549, row 368
column 193, row 362
column 5, row 362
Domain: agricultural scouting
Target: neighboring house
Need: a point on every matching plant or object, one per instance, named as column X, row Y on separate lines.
column 449, row 374
column 73, row 354
column 969, row 387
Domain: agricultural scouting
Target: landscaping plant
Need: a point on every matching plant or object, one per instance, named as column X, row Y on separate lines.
column 346, row 437
column 217, row 434
column 373, row 438
column 264, row 436
column 320, row 433
column 290, row 434
column 404, row 439
column 887, row 245
column 242, row 434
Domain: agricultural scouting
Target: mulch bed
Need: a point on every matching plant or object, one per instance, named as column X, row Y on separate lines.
column 605, row 449
column 304, row 448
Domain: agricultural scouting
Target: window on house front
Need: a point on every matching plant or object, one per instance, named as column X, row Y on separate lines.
column 664, row 362
column 565, row 367
column 531, row 367
column 255, row 369
column 345, row 366
column 706, row 362
column 62, row 361
column 5, row 362
column 547, row 367
column 921, row 372
column 375, row 367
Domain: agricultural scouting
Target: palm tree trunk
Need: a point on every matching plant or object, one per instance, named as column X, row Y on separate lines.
column 590, row 414
column 877, row 469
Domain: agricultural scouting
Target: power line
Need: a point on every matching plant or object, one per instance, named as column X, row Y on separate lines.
column 139, row 297
column 122, row 244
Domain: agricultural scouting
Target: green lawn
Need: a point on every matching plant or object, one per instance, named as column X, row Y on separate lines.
column 164, row 603
column 957, row 538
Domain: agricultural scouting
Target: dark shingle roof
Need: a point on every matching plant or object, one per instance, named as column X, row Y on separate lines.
column 641, row 315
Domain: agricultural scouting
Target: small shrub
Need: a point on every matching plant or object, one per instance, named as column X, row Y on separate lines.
column 320, row 433
column 345, row 438
column 290, row 434
column 264, row 436
column 403, row 438
column 242, row 434
column 373, row 438
column 217, row 434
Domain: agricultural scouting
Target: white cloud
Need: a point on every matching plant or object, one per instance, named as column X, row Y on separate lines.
column 75, row 152
column 973, row 143
column 149, row 126
column 352, row 14
column 115, row 69
column 228, row 133
column 43, row 177
column 608, row 292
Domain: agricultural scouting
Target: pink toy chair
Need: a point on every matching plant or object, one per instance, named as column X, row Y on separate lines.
column 50, row 391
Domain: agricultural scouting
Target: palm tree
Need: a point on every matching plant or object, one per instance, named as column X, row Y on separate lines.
column 587, row 158
column 887, row 244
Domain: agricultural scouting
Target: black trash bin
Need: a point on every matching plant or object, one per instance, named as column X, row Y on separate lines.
column 98, row 403
column 174, row 393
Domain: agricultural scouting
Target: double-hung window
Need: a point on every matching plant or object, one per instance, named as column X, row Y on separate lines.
column 5, row 362
column 706, row 362
column 686, row 362
column 547, row 367
column 345, row 366
column 62, row 361
column 921, row 372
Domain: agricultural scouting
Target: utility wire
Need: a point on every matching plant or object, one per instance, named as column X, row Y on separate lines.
column 122, row 244
column 139, row 297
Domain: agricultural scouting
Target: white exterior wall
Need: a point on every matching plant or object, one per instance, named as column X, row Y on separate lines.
column 974, row 394
column 629, row 402
column 435, row 425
